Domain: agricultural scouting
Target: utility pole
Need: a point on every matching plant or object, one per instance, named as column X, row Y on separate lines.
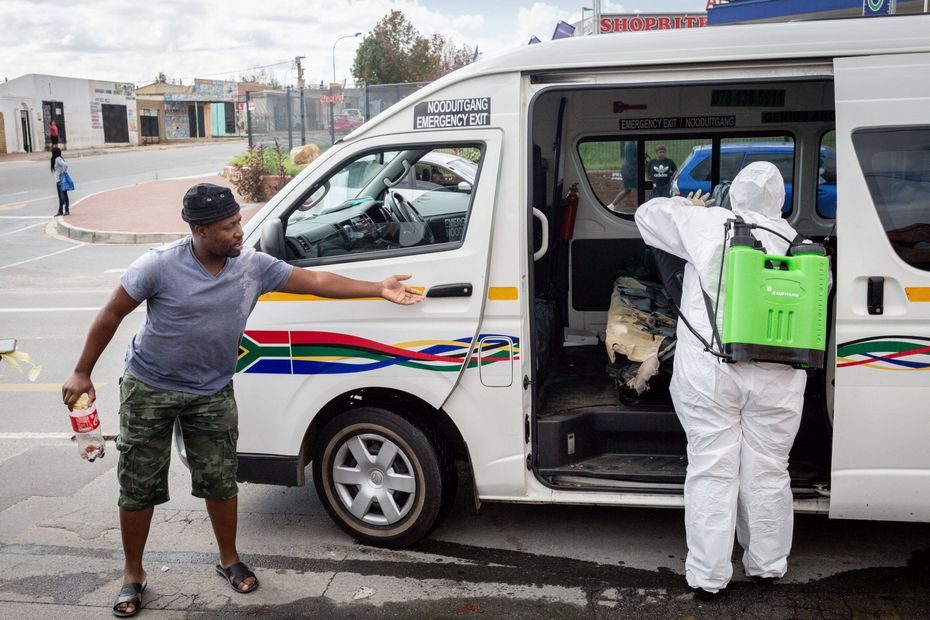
column 300, row 87
column 290, row 134
column 332, row 114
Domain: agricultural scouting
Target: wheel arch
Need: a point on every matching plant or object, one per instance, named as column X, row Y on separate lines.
column 404, row 404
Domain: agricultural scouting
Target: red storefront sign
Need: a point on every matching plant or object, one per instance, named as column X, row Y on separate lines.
column 660, row 21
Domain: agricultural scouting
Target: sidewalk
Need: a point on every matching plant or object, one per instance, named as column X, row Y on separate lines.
column 73, row 153
column 149, row 212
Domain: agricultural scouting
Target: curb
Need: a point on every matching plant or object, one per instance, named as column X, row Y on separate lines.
column 109, row 236
column 102, row 150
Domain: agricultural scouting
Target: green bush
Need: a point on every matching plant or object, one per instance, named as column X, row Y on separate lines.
column 275, row 160
column 249, row 170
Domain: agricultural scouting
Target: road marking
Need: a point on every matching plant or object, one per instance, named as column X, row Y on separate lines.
column 20, row 205
column 75, row 309
column 36, row 435
column 36, row 388
column 115, row 270
column 30, row 388
column 26, row 217
column 78, row 309
column 29, row 260
column 13, row 232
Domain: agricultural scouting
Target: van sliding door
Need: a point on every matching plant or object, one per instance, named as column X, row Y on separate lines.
column 881, row 464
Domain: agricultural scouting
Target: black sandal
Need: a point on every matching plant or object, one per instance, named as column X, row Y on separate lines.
column 236, row 574
column 130, row 593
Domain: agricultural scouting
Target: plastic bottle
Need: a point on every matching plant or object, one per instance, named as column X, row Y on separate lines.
column 86, row 425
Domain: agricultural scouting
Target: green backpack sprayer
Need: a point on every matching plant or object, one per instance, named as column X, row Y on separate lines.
column 774, row 307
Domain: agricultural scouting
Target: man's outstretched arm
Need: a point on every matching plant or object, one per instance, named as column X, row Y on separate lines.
column 98, row 337
column 325, row 284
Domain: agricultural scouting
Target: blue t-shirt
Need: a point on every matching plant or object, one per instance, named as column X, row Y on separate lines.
column 194, row 321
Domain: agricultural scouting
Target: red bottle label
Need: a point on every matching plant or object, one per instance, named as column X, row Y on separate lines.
column 85, row 423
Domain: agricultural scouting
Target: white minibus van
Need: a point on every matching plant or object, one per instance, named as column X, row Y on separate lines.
column 513, row 364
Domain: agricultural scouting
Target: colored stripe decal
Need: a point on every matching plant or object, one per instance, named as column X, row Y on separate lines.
column 294, row 297
column 885, row 353
column 917, row 293
column 314, row 352
column 502, row 293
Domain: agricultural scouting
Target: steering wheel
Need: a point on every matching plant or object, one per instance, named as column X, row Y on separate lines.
column 406, row 212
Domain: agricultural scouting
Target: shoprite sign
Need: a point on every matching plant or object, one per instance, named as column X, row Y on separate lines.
column 651, row 21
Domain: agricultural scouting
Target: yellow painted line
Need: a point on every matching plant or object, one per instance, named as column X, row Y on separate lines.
column 502, row 293
column 12, row 207
column 294, row 297
column 917, row 293
column 35, row 388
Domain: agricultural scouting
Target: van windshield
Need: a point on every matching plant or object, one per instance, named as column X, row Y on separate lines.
column 349, row 183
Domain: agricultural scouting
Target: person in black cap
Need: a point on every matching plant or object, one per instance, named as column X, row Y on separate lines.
column 199, row 292
column 660, row 171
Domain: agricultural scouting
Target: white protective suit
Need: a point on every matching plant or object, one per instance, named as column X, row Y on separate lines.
column 740, row 419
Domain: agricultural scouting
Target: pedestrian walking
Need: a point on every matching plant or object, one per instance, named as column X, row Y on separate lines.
column 199, row 292
column 741, row 418
column 628, row 173
column 63, row 181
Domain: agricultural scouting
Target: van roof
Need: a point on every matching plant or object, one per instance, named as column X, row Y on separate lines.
column 779, row 41
column 810, row 39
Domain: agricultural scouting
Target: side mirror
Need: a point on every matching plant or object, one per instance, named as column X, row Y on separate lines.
column 272, row 241
column 465, row 187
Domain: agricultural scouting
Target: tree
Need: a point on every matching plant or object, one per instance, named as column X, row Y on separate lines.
column 450, row 57
column 261, row 75
column 396, row 52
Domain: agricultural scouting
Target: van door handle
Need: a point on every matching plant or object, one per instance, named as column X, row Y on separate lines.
column 875, row 297
column 463, row 289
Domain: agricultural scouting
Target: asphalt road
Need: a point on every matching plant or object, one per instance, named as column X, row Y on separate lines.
column 59, row 537
column 28, row 188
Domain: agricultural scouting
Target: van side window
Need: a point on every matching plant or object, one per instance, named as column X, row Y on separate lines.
column 896, row 165
column 413, row 199
column 826, row 176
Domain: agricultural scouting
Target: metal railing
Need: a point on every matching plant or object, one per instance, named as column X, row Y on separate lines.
column 293, row 117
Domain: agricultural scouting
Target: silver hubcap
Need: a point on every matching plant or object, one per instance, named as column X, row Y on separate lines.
column 374, row 479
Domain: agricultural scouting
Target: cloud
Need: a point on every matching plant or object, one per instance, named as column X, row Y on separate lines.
column 540, row 20
column 130, row 40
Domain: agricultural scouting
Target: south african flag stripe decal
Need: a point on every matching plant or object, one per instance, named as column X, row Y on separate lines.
column 265, row 352
column 885, row 353
column 314, row 353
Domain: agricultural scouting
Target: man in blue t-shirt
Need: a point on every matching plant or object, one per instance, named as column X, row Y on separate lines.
column 199, row 292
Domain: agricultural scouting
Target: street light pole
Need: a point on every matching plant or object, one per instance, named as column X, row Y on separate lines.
column 332, row 115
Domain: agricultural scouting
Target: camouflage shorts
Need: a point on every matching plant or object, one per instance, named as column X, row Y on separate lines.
column 146, row 422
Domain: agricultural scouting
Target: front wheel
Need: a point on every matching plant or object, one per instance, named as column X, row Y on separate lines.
column 382, row 479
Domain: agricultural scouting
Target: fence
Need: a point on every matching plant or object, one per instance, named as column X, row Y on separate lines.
column 293, row 117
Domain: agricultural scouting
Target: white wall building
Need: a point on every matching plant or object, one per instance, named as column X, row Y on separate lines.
column 89, row 113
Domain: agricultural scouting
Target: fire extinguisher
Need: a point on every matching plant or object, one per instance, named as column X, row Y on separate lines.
column 569, row 211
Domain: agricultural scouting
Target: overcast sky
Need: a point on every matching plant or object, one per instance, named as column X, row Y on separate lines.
column 132, row 40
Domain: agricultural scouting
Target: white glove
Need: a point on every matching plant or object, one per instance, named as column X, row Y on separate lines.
column 701, row 201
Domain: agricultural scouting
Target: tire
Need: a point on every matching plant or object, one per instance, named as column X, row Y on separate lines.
column 384, row 503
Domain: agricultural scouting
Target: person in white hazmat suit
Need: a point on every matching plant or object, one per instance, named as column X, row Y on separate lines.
column 740, row 418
